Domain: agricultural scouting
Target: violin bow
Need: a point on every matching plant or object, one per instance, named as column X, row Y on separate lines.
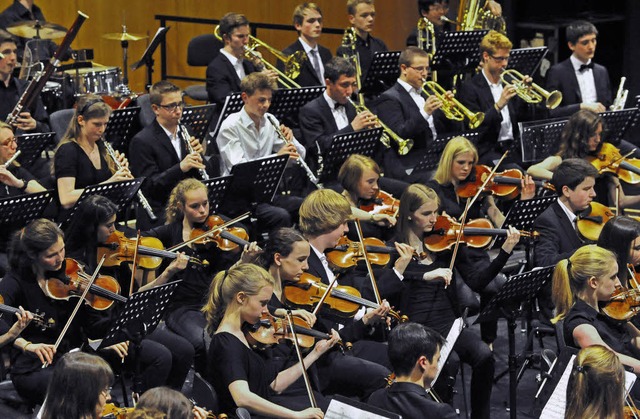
column 618, row 199
column 305, row 376
column 77, row 307
column 210, row 232
column 366, row 261
column 327, row 292
column 135, row 263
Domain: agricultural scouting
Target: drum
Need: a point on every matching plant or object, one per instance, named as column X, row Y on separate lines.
column 96, row 80
column 52, row 96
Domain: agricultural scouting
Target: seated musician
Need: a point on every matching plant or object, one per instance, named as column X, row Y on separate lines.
column 20, row 11
column 32, row 119
column 433, row 11
column 81, row 159
column 241, row 376
column 248, row 135
column 581, row 138
column 621, row 235
column 91, row 228
column 580, row 283
column 159, row 152
column 414, row 351
column 408, row 113
column 362, row 16
column 307, row 19
column 167, row 402
column 229, row 67
column 430, row 296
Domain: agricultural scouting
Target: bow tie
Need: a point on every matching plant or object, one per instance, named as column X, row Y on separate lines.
column 337, row 106
column 583, row 67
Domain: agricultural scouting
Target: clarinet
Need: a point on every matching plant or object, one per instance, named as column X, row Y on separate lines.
column 141, row 198
column 186, row 138
column 312, row 177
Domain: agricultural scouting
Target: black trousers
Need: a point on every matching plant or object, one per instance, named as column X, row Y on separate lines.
column 190, row 324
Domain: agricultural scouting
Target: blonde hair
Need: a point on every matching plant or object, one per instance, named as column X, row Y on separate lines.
column 352, row 170
column 596, row 385
column 455, row 147
column 493, row 41
column 177, row 198
column 301, row 10
column 571, row 275
column 245, row 277
column 322, row 211
column 415, row 196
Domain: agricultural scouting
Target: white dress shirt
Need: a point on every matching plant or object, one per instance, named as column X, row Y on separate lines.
column 586, row 81
column 235, row 62
column 416, row 95
column 570, row 214
column 340, row 114
column 506, row 128
column 175, row 141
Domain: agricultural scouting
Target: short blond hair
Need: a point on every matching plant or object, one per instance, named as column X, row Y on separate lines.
column 493, row 41
column 322, row 211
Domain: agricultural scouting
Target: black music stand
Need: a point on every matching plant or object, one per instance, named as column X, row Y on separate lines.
column 147, row 56
column 198, row 118
column 526, row 60
column 458, row 51
column 120, row 193
column 254, row 182
column 17, row 211
column 217, row 190
column 287, row 102
column 382, row 72
column 430, row 160
column 517, row 290
column 32, row 146
column 539, row 139
column 140, row 317
column 119, row 130
column 551, row 381
column 232, row 104
column 617, row 123
column 365, row 142
column 523, row 214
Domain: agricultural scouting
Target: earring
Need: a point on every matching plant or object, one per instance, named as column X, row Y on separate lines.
column 409, row 218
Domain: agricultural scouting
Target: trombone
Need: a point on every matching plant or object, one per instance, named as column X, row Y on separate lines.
column 350, row 53
column 404, row 146
column 452, row 108
column 292, row 63
column 530, row 93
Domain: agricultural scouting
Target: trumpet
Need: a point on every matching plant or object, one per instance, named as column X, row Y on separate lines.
column 312, row 177
column 452, row 108
column 426, row 36
column 530, row 93
column 141, row 198
column 292, row 63
column 186, row 138
column 404, row 146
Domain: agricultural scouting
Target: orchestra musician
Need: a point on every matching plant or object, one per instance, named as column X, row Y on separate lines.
column 621, row 235
column 240, row 375
column 159, row 152
column 414, row 351
column 432, row 10
column 307, row 19
column 20, row 11
column 169, row 402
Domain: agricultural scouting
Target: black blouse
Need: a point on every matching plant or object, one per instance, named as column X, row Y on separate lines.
column 71, row 161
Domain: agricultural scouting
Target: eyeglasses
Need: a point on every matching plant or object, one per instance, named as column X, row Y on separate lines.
column 106, row 392
column 9, row 142
column 500, row 59
column 173, row 106
column 420, row 69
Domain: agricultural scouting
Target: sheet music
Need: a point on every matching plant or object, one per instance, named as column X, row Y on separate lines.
column 446, row 349
column 340, row 410
column 557, row 403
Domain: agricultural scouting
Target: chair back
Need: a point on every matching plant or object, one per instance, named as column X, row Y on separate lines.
column 203, row 49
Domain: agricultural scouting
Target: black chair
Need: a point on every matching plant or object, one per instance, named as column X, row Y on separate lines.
column 200, row 52
column 203, row 394
column 146, row 115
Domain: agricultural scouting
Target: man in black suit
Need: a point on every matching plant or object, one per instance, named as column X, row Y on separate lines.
column 159, row 152
column 583, row 83
column 307, row 19
column 414, row 352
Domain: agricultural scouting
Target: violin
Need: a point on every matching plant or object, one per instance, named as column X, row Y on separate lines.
column 102, row 293
column 505, row 184
column 343, row 301
column 384, row 203
column 38, row 318
column 591, row 220
column 348, row 252
column 119, row 249
column 111, row 411
column 609, row 160
column 476, row 233
column 634, row 278
column 271, row 330
column 227, row 239
column 623, row 305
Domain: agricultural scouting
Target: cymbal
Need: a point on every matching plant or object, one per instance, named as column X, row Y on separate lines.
column 46, row 30
column 124, row 36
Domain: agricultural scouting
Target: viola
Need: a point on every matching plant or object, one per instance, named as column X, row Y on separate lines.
column 623, row 305
column 271, row 330
column 476, row 233
column 609, row 160
column 505, row 184
column 591, row 220
column 102, row 293
column 342, row 301
column 384, row 203
column 38, row 318
column 119, row 249
column 227, row 239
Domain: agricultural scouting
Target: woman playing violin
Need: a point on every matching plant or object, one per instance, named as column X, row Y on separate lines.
column 621, row 235
column 165, row 356
column 429, row 290
column 81, row 159
column 240, row 376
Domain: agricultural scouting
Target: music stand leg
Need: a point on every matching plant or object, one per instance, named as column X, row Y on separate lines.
column 513, row 366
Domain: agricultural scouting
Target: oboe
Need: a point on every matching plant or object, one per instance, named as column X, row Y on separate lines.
column 186, row 138
column 141, row 198
column 312, row 177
